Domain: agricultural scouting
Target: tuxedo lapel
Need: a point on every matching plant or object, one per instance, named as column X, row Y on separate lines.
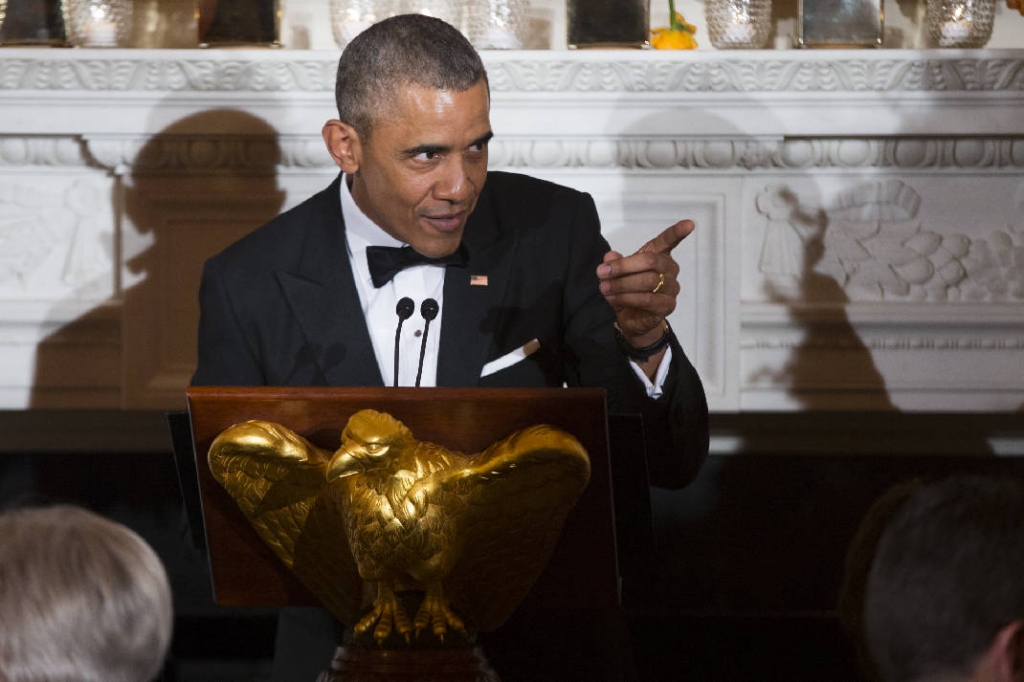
column 323, row 298
column 473, row 297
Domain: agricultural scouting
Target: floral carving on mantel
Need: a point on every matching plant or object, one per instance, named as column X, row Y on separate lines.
column 631, row 75
column 873, row 245
column 56, row 241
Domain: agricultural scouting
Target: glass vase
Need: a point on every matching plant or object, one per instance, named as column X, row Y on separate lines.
column 32, row 22
column 497, row 24
column 99, row 23
column 739, row 24
column 451, row 11
column 960, row 23
column 349, row 18
column 608, row 23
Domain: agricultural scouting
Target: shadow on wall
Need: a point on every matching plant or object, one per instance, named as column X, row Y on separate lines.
column 192, row 189
column 830, row 355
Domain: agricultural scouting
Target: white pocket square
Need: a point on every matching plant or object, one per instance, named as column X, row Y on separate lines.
column 509, row 359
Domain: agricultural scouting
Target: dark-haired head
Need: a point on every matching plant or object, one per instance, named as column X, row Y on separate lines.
column 943, row 588
column 408, row 49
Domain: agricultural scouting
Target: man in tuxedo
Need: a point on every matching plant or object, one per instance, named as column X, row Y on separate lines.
column 527, row 291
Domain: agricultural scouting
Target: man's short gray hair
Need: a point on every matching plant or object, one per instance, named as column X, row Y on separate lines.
column 82, row 599
column 409, row 49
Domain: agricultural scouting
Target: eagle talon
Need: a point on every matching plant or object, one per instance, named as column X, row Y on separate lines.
column 434, row 612
column 387, row 614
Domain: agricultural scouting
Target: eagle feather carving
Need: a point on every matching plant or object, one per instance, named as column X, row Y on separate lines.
column 386, row 514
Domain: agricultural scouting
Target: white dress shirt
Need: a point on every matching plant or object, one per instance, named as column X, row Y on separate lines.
column 419, row 283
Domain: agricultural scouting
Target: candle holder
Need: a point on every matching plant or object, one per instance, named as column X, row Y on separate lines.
column 608, row 23
column 447, row 10
column 739, row 24
column 32, row 22
column 349, row 18
column 235, row 23
column 497, row 24
column 98, row 23
column 960, row 23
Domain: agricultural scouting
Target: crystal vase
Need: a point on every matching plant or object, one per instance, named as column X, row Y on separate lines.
column 960, row 23
column 497, row 24
column 99, row 23
column 349, row 18
column 739, row 24
column 451, row 11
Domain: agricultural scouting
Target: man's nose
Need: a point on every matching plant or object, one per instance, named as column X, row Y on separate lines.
column 454, row 184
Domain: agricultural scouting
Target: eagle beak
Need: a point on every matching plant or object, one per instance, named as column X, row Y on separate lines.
column 342, row 465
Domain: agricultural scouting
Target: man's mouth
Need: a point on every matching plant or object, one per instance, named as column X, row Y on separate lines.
column 447, row 222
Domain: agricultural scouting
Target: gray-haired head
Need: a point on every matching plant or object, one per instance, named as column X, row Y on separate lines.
column 82, row 598
column 409, row 49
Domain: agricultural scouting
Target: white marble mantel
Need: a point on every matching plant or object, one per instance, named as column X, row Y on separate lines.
column 860, row 237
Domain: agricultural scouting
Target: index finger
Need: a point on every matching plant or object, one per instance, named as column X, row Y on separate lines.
column 670, row 238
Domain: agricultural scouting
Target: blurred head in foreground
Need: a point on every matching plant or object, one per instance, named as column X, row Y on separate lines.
column 934, row 588
column 82, row 599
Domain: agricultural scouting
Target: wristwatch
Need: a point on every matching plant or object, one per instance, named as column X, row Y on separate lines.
column 643, row 354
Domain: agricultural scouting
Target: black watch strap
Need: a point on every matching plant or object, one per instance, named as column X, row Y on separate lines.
column 643, row 354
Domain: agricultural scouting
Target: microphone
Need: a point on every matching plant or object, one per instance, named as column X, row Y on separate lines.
column 428, row 309
column 404, row 310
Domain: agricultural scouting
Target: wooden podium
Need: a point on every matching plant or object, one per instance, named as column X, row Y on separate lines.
column 583, row 571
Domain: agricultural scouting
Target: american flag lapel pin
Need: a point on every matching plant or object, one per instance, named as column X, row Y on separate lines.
column 478, row 280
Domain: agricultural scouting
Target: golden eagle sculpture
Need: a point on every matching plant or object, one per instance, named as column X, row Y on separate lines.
column 386, row 516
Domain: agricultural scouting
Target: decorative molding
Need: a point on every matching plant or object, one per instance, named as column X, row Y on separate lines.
column 262, row 153
column 846, row 342
column 167, row 74
column 206, row 154
column 903, row 74
column 1001, row 154
column 41, row 151
column 889, row 72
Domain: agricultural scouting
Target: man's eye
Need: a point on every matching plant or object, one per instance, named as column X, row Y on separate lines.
column 427, row 156
column 478, row 147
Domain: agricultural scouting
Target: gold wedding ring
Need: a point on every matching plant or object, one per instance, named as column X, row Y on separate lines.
column 661, row 283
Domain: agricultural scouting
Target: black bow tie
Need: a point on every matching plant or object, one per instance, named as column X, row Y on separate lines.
column 387, row 261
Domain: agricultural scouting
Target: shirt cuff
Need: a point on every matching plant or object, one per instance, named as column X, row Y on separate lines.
column 654, row 388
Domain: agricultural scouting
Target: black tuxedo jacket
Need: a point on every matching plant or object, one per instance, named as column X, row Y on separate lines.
column 279, row 308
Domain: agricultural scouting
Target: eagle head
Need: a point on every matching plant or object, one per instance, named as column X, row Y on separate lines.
column 370, row 440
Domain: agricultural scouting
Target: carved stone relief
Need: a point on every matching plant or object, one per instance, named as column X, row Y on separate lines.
column 56, row 238
column 874, row 244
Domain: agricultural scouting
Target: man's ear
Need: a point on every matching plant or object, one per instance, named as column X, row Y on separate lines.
column 343, row 144
column 1007, row 653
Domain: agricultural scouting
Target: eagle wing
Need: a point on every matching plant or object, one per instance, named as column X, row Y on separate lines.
column 511, row 504
column 278, row 480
